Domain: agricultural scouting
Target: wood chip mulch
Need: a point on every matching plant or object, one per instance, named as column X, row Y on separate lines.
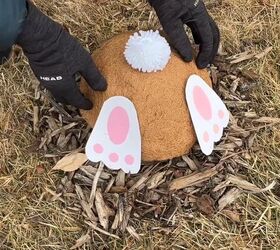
column 110, row 200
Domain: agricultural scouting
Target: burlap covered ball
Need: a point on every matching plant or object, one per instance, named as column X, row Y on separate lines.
column 159, row 98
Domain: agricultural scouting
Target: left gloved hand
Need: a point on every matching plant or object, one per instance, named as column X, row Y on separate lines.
column 56, row 57
column 173, row 14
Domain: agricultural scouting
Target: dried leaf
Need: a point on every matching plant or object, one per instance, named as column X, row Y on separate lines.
column 205, row 204
column 71, row 162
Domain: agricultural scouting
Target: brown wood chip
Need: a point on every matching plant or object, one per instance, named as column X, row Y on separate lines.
column 95, row 227
column 133, row 233
column 192, row 179
column 120, row 179
column 103, row 211
column 95, row 181
column 87, row 209
column 248, row 186
column 119, row 215
column 228, row 198
column 118, row 189
column 190, row 163
column 126, row 217
column 36, row 119
column 81, row 241
column 155, row 180
column 232, row 215
column 205, row 204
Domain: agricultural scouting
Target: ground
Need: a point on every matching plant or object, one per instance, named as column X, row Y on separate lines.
column 30, row 219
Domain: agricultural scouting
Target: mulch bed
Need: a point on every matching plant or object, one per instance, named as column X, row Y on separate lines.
column 110, row 200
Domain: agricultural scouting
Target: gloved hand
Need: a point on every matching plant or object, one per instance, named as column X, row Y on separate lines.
column 55, row 57
column 173, row 14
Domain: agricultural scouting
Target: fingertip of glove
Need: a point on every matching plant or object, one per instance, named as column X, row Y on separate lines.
column 187, row 58
column 201, row 64
column 87, row 105
column 101, row 85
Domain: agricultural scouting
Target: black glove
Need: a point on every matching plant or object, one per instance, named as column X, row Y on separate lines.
column 173, row 14
column 55, row 57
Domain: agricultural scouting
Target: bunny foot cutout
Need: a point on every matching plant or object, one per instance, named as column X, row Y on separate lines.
column 208, row 112
column 115, row 139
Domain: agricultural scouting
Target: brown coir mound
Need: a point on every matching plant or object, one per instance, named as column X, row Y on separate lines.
column 159, row 98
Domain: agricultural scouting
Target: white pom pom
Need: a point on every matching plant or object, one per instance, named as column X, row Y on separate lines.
column 147, row 51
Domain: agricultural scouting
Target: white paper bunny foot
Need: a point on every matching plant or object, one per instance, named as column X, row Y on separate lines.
column 208, row 112
column 115, row 139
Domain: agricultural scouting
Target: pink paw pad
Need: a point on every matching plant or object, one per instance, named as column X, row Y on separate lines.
column 118, row 125
column 98, row 148
column 129, row 159
column 206, row 137
column 202, row 103
column 221, row 114
column 216, row 129
column 113, row 157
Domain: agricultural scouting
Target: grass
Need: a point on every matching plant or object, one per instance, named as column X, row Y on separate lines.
column 29, row 219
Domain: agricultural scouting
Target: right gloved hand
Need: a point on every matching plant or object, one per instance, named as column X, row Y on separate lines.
column 55, row 57
column 173, row 14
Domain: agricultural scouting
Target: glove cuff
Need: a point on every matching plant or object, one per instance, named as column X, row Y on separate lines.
column 37, row 30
